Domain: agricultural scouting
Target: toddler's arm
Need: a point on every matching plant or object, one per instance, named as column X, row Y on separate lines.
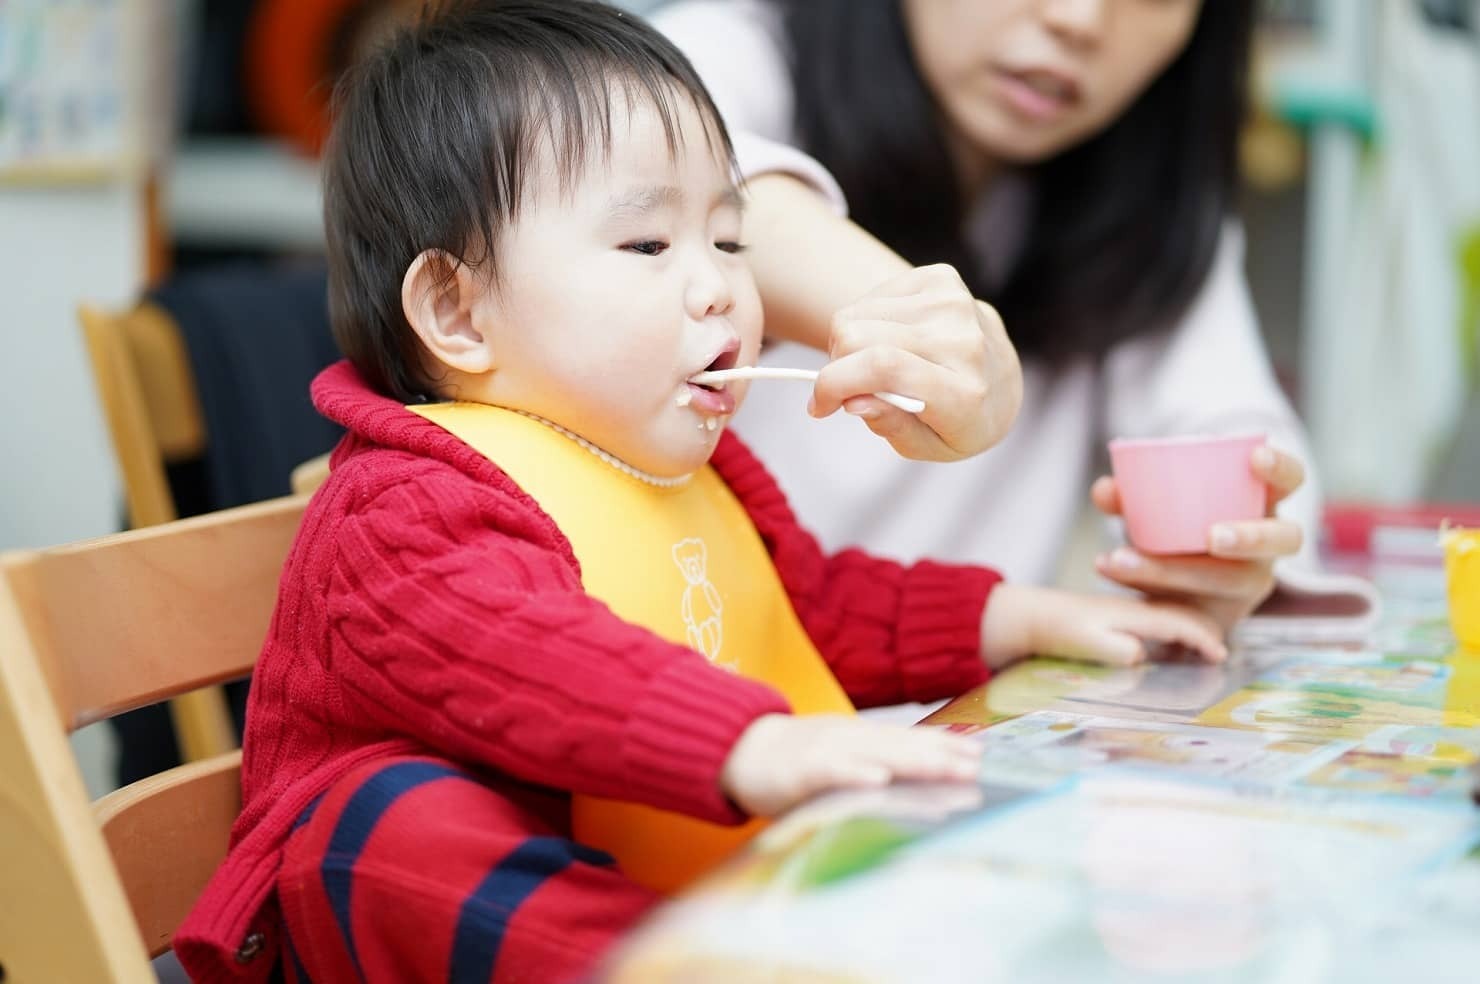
column 456, row 622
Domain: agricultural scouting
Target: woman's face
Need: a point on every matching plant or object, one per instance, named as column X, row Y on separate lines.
column 1020, row 81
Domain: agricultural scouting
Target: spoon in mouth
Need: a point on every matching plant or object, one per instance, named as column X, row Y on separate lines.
column 906, row 403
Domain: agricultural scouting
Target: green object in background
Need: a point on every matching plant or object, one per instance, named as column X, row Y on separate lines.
column 1469, row 319
column 1306, row 105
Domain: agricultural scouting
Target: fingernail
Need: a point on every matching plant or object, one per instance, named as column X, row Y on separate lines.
column 1224, row 538
column 860, row 408
column 1102, row 561
column 812, row 406
column 1263, row 457
column 1126, row 560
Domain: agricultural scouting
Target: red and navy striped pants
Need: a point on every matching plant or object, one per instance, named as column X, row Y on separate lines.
column 413, row 870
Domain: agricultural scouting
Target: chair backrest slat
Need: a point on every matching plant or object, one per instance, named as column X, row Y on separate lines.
column 167, row 834
column 129, row 620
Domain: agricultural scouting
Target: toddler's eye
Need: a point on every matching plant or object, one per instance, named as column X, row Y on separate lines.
column 647, row 247
column 730, row 247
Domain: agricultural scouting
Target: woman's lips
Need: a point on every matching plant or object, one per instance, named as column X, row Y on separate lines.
column 1040, row 97
column 715, row 402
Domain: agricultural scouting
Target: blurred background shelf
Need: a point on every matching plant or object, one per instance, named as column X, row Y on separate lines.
column 243, row 192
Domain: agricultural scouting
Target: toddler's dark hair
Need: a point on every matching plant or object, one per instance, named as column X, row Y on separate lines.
column 438, row 134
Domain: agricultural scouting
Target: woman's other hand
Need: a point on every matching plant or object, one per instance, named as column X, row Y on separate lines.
column 1237, row 573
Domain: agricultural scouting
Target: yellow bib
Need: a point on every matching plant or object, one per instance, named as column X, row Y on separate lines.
column 686, row 563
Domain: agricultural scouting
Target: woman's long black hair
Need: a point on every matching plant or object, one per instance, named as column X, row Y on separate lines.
column 1125, row 225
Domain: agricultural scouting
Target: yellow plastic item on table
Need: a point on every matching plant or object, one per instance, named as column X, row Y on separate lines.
column 1462, row 567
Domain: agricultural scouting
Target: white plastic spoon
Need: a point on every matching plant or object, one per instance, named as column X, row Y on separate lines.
column 906, row 403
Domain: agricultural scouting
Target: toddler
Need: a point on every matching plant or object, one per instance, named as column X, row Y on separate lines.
column 550, row 637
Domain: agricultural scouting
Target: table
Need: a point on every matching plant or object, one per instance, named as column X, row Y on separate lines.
column 1300, row 814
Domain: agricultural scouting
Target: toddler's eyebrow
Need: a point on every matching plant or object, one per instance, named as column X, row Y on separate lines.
column 639, row 202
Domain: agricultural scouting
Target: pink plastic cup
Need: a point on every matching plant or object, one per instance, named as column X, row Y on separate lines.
column 1174, row 489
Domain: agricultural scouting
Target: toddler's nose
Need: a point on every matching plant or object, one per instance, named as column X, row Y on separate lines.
column 709, row 293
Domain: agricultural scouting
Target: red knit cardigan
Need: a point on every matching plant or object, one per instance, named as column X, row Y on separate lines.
column 429, row 605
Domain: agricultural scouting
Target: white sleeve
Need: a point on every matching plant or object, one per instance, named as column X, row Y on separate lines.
column 737, row 48
column 1211, row 374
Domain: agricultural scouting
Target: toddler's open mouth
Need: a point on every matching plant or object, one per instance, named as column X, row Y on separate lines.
column 714, row 399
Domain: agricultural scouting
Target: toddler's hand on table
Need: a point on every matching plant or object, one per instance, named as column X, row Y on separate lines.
column 1025, row 621
column 1237, row 573
column 782, row 760
column 922, row 334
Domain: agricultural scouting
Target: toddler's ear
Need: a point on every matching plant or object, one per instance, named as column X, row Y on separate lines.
column 439, row 296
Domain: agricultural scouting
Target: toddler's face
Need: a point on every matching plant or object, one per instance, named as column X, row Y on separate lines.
column 615, row 291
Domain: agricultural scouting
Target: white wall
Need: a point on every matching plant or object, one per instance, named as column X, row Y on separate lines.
column 58, row 480
column 58, row 245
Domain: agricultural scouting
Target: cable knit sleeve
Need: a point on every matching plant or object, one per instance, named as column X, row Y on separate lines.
column 890, row 633
column 450, row 622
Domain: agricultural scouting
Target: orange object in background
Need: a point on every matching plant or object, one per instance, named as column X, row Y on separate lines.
column 1462, row 569
column 297, row 49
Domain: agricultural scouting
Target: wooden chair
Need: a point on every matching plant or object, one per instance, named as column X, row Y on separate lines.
column 307, row 477
column 87, row 631
column 148, row 394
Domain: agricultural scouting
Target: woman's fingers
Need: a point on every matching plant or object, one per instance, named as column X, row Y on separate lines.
column 1209, row 577
column 922, row 335
column 1105, row 495
column 1282, row 472
column 889, row 364
column 953, row 339
column 1257, row 539
column 951, row 400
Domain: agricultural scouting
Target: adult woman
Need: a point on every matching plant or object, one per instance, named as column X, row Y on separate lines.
column 1073, row 160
